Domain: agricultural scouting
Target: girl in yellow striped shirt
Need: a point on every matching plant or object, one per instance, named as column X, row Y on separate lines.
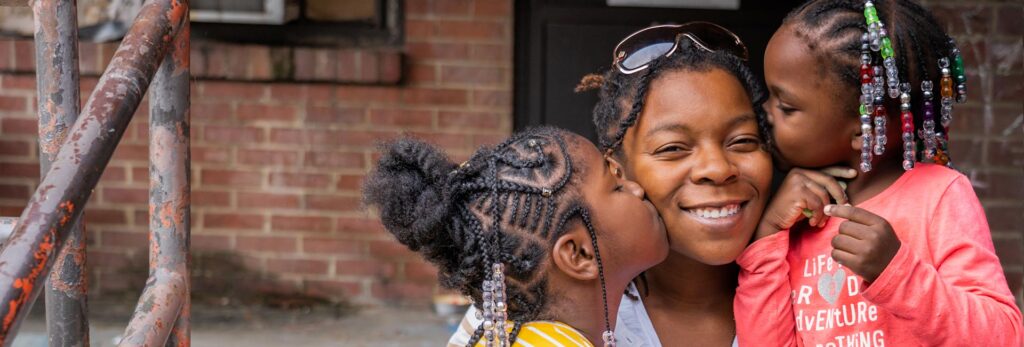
column 537, row 230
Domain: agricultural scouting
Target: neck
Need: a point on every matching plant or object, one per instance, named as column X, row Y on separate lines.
column 885, row 172
column 681, row 283
column 582, row 308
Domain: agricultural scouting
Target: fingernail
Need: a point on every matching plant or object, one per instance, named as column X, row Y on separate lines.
column 828, row 209
column 847, row 204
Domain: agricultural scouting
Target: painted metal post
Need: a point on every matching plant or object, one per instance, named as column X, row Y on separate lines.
column 162, row 316
column 57, row 89
column 28, row 255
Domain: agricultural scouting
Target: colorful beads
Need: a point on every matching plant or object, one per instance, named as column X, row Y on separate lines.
column 958, row 72
column 887, row 51
column 946, row 92
column 870, row 13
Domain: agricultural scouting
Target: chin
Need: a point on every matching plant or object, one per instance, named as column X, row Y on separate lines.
column 712, row 252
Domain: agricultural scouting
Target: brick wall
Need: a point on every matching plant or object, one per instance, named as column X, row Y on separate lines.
column 277, row 166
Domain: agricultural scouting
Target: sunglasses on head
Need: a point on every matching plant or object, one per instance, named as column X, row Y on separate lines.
column 639, row 49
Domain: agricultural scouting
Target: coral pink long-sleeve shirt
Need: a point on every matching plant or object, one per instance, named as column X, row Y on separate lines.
column 944, row 287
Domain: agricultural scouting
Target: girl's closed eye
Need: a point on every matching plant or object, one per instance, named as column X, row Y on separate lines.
column 785, row 109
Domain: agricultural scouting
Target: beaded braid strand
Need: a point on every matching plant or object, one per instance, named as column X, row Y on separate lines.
column 866, row 102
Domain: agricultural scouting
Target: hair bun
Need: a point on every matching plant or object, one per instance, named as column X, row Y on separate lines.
column 409, row 186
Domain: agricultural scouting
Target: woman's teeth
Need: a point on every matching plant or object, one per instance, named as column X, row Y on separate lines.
column 716, row 212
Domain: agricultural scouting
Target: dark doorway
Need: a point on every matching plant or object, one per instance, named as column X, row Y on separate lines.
column 557, row 42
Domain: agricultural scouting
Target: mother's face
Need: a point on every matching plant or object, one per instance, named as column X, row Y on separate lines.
column 697, row 153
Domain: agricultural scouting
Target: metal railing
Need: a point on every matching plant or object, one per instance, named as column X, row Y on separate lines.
column 48, row 241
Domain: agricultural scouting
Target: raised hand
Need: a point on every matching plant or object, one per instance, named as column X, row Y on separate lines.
column 804, row 195
column 866, row 242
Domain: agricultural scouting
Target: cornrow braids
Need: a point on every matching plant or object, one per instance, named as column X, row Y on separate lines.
column 832, row 31
column 622, row 96
column 500, row 211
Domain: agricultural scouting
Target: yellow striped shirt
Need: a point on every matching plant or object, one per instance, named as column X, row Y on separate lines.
column 547, row 333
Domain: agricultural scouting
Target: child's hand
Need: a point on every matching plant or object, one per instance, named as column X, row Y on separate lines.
column 803, row 195
column 866, row 242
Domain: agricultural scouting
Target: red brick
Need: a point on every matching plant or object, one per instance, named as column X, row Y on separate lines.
column 125, row 195
column 422, row 96
column 14, row 191
column 401, row 118
column 335, row 115
column 996, row 185
column 205, row 198
column 446, row 141
column 357, row 94
column 491, row 54
column 330, row 138
column 1005, row 217
column 219, row 155
column 232, row 221
column 390, row 67
column 331, row 245
column 298, row 266
column 231, row 177
column 259, row 62
column 389, row 250
column 961, row 18
column 268, row 200
column 211, row 112
column 350, row 182
column 300, row 223
column 332, row 203
column 491, row 8
column 1008, row 153
column 22, row 82
column 492, row 98
column 298, row 180
column 25, row 55
column 369, row 268
column 1010, row 250
column 20, row 170
column 472, row 75
column 1009, row 20
column 347, row 61
column 345, row 160
column 15, row 148
column 359, row 225
column 471, row 30
column 280, row 113
column 129, row 152
column 304, row 61
column 469, row 120
column 13, row 103
column 290, row 92
column 422, row 73
column 417, row 271
column 106, row 259
column 6, row 54
column 104, row 216
column 333, row 288
column 118, row 174
column 1011, row 87
column 125, row 239
column 486, row 140
column 420, row 29
column 437, row 50
column 369, row 69
column 250, row 92
column 21, row 126
column 232, row 135
column 266, row 244
column 267, row 157
column 206, row 242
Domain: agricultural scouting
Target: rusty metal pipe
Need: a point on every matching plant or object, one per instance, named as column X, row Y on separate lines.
column 28, row 256
column 56, row 38
column 162, row 314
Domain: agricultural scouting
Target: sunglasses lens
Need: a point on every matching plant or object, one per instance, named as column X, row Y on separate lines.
column 717, row 38
column 646, row 54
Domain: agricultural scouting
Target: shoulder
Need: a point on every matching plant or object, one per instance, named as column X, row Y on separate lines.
column 936, row 176
column 542, row 333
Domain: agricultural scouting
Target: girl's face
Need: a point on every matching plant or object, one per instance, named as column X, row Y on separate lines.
column 631, row 235
column 813, row 124
column 696, row 151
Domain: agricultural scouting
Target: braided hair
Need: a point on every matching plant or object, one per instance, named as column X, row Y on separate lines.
column 506, row 204
column 832, row 30
column 622, row 96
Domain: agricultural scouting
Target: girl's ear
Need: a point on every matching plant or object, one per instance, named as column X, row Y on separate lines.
column 615, row 167
column 573, row 254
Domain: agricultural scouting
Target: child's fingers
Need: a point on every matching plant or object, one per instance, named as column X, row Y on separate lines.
column 830, row 184
column 855, row 230
column 847, row 244
column 854, row 214
column 840, row 171
column 815, row 199
column 844, row 258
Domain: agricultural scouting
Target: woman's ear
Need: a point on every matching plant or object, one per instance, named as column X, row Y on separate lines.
column 573, row 254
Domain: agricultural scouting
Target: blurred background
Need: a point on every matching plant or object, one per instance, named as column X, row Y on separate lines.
column 289, row 98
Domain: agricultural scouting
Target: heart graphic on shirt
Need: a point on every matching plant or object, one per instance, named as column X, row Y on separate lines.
column 829, row 286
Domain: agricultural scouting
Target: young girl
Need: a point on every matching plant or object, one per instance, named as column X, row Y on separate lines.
column 536, row 230
column 911, row 262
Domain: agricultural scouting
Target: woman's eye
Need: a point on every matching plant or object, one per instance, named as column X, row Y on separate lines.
column 746, row 143
column 669, row 149
column 786, row 110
